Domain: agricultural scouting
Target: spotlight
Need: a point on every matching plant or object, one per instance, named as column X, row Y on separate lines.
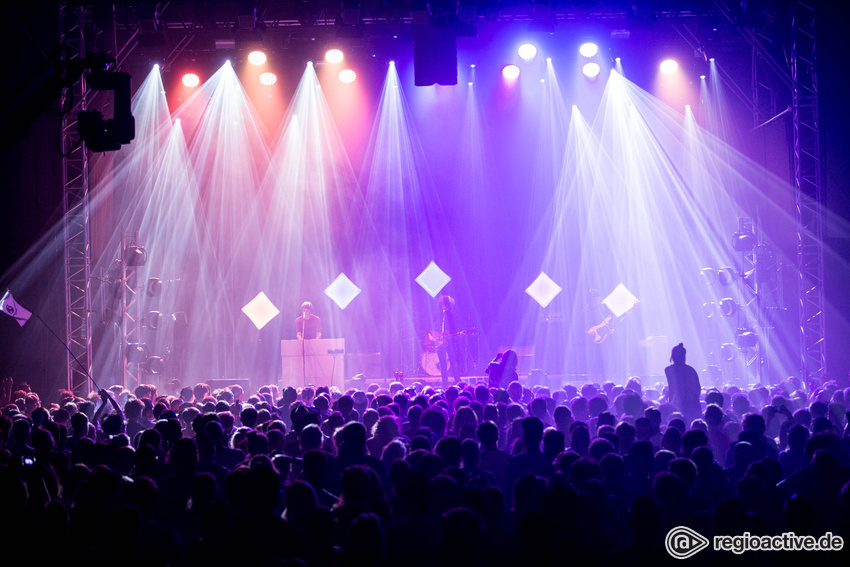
column 702, row 77
column 726, row 276
column 746, row 338
column 591, row 70
column 743, row 241
column 588, row 49
column 268, row 79
column 728, row 307
column 334, row 56
column 135, row 255
column 669, row 66
column 709, row 276
column 137, row 352
column 727, row 352
column 510, row 72
column 191, row 80
column 155, row 365
column 709, row 309
column 256, row 58
column 154, row 286
column 469, row 83
column 152, row 320
column 527, row 51
column 347, row 76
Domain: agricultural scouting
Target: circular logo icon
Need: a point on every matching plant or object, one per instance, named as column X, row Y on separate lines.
column 682, row 542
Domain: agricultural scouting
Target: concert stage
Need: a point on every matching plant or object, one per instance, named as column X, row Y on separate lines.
column 372, row 166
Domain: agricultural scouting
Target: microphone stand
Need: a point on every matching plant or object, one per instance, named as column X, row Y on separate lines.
column 303, row 353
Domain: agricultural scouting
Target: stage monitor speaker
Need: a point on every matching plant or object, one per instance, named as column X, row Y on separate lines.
column 434, row 56
column 366, row 363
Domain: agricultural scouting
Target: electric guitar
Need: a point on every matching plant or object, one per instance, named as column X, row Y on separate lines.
column 435, row 339
column 598, row 333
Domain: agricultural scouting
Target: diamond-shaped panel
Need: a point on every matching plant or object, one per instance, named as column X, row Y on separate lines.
column 543, row 290
column 342, row 291
column 433, row 279
column 260, row 310
column 620, row 300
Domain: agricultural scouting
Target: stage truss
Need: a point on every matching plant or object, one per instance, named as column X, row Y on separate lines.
column 181, row 24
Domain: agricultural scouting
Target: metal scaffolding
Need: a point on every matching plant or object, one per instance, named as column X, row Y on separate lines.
column 131, row 320
column 74, row 24
column 808, row 192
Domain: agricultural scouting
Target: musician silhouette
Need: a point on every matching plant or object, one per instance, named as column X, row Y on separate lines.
column 596, row 314
column 448, row 351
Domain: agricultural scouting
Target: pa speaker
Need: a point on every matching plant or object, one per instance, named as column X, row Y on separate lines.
column 434, row 56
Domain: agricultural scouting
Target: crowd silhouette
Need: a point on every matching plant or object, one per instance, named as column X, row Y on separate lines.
column 412, row 475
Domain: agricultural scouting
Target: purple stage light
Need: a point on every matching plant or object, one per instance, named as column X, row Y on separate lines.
column 669, row 66
column 588, row 49
column 527, row 51
column 591, row 70
column 510, row 72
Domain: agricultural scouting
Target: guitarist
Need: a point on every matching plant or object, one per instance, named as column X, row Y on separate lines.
column 447, row 350
column 597, row 320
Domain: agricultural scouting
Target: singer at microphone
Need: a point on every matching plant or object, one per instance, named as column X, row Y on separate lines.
column 308, row 326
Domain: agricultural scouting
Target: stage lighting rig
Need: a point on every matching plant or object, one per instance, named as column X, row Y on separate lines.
column 135, row 255
column 99, row 134
column 744, row 240
column 102, row 135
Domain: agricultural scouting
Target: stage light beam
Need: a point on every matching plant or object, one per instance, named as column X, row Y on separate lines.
column 347, row 76
column 268, row 79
